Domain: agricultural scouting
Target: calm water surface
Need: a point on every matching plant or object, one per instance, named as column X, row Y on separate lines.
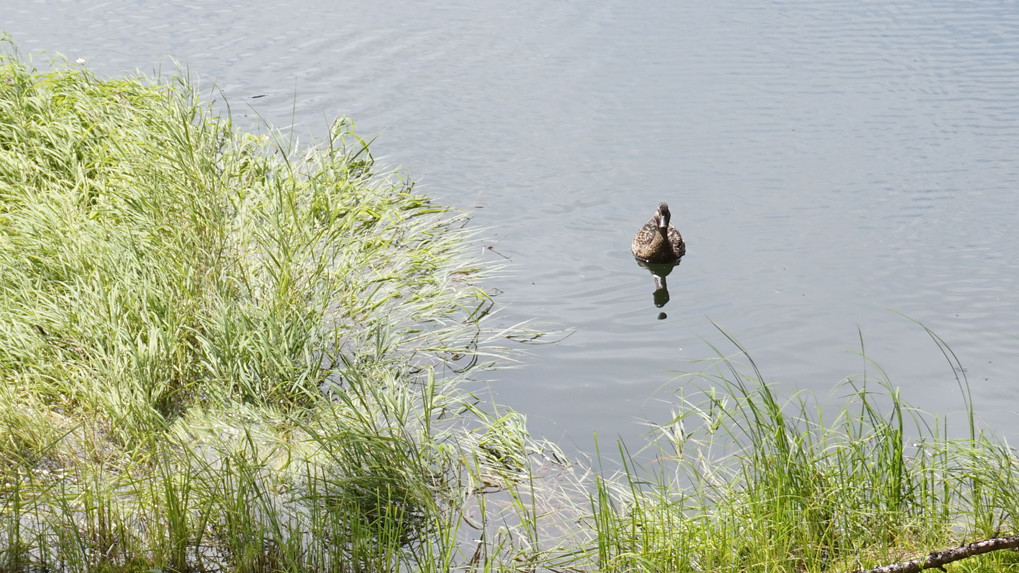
column 826, row 162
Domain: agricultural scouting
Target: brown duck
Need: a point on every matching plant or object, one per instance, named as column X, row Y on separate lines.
column 658, row 241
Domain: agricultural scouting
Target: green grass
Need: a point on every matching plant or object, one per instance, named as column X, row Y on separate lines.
column 222, row 353
column 744, row 481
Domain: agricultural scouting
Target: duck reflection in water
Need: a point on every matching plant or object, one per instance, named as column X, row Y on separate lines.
column 658, row 247
column 659, row 271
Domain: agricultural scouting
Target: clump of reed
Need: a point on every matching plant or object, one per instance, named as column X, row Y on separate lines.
column 219, row 352
column 743, row 480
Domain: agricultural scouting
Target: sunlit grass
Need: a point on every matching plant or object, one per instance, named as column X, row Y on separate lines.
column 746, row 481
column 220, row 352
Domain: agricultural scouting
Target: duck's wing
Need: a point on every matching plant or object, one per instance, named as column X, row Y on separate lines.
column 676, row 240
column 644, row 242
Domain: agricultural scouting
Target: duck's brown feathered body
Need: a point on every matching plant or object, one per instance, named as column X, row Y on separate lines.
column 658, row 241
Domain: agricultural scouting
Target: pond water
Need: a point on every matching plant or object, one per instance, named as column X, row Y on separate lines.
column 830, row 164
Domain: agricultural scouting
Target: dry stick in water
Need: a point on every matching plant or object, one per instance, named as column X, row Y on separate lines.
column 938, row 559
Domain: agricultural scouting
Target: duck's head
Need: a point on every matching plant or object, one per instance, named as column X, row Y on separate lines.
column 663, row 216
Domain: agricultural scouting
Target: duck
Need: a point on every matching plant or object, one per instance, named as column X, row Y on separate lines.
column 658, row 241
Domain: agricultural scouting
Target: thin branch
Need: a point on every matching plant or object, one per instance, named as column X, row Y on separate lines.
column 938, row 559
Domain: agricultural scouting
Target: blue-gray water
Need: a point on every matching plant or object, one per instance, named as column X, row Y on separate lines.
column 825, row 161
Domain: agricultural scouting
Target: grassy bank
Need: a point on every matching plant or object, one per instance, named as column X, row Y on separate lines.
column 745, row 480
column 221, row 353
